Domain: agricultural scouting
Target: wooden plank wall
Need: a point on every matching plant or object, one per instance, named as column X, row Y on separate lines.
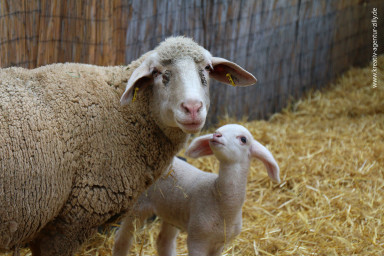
column 290, row 46
column 39, row 32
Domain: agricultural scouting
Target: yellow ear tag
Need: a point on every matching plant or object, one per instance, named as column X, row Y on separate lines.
column 135, row 94
column 230, row 79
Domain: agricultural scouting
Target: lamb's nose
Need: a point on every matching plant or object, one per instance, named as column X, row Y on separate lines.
column 217, row 134
column 192, row 107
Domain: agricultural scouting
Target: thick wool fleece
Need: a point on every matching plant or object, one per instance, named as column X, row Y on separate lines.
column 182, row 46
column 71, row 158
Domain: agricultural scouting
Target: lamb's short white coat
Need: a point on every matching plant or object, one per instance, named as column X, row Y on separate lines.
column 206, row 205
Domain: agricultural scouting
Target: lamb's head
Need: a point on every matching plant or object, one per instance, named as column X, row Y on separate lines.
column 179, row 71
column 233, row 143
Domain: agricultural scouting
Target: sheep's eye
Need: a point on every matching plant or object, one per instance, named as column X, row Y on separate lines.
column 166, row 76
column 208, row 67
column 156, row 72
column 203, row 78
column 243, row 140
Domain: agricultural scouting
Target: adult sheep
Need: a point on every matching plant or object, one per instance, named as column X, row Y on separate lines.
column 72, row 159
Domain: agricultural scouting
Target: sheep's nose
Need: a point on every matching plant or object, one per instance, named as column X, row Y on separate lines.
column 192, row 107
column 217, row 135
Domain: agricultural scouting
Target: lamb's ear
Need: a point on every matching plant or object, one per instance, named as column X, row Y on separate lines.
column 141, row 77
column 263, row 154
column 230, row 73
column 199, row 147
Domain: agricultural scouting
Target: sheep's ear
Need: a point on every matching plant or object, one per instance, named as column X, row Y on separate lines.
column 230, row 73
column 263, row 154
column 141, row 77
column 199, row 147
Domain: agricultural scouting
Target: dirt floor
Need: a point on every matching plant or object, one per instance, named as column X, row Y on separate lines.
column 330, row 149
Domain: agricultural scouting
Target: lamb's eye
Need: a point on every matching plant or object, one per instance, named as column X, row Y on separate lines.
column 243, row 140
column 208, row 67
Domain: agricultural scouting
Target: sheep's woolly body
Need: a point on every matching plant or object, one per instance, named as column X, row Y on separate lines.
column 71, row 157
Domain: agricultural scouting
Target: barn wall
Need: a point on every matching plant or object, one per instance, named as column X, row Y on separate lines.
column 290, row 46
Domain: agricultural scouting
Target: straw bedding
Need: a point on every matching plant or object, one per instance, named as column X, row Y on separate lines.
column 330, row 148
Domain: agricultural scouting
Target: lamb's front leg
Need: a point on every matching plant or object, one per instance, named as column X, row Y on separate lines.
column 132, row 222
column 166, row 241
column 217, row 251
column 124, row 237
column 198, row 246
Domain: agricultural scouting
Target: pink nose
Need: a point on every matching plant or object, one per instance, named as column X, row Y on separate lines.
column 217, row 135
column 192, row 107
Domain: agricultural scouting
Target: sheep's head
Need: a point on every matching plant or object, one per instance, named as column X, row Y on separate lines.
column 233, row 143
column 179, row 71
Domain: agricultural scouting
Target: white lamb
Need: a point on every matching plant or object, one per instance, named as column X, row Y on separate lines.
column 206, row 205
